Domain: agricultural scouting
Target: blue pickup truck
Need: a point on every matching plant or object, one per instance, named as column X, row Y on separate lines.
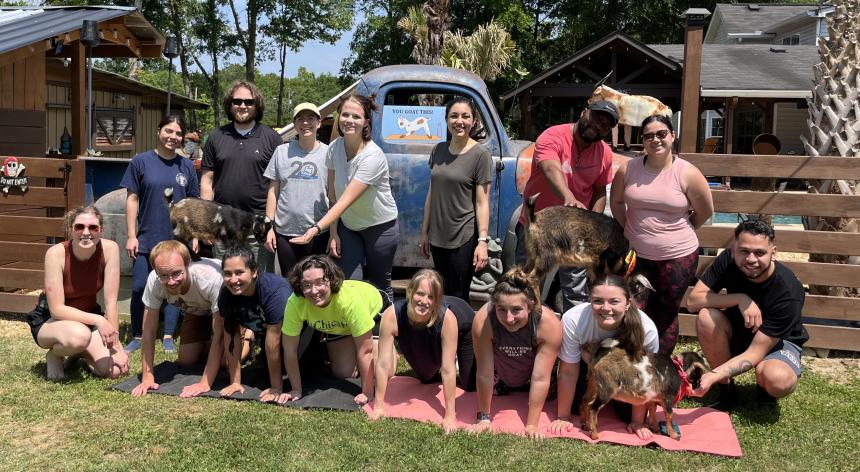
column 404, row 92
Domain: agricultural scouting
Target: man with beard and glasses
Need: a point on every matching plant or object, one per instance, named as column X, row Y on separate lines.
column 755, row 323
column 572, row 166
column 236, row 156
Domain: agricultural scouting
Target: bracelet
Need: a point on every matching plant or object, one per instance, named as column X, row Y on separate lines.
column 562, row 418
column 319, row 230
column 484, row 239
column 482, row 417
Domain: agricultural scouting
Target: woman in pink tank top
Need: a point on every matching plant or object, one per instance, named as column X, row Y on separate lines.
column 660, row 200
column 73, row 323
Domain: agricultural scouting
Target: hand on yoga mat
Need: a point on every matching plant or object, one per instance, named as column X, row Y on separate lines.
column 481, row 427
column 290, row 397
column 376, row 414
column 271, row 395
column 640, row 430
column 449, row 424
column 194, row 390
column 231, row 389
column 144, row 387
column 362, row 399
column 534, row 432
column 559, row 426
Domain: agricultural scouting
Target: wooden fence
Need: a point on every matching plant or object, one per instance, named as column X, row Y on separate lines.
column 799, row 240
column 27, row 221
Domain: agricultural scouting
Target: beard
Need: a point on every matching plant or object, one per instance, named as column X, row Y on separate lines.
column 761, row 272
column 587, row 131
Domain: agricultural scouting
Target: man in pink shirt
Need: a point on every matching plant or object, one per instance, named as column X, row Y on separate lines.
column 572, row 166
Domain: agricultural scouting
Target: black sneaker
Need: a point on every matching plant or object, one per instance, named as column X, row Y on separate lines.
column 762, row 397
column 728, row 398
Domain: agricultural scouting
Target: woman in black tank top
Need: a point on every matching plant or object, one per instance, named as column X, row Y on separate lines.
column 517, row 339
column 434, row 335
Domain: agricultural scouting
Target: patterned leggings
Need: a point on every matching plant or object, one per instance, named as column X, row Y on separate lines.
column 670, row 279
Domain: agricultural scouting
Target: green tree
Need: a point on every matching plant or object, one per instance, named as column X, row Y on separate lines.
column 377, row 40
column 295, row 22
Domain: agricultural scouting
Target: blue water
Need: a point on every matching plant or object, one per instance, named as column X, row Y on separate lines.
column 777, row 219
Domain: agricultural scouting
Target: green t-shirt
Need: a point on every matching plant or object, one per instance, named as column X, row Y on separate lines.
column 351, row 311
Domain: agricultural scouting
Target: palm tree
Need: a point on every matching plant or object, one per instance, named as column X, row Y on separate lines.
column 488, row 52
column 834, row 120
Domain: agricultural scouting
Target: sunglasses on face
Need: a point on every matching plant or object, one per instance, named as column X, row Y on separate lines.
column 248, row 102
column 81, row 227
column 659, row 135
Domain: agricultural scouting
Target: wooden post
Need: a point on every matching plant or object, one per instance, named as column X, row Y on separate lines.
column 691, row 81
column 525, row 114
column 729, row 125
column 78, row 83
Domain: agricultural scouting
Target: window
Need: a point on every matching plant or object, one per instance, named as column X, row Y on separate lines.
column 716, row 126
column 792, row 40
column 412, row 97
column 113, row 129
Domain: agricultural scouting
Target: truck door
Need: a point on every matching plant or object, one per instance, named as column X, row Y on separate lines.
column 410, row 124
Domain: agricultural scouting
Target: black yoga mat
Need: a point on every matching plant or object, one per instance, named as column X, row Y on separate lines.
column 320, row 392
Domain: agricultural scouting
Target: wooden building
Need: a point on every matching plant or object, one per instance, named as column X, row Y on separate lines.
column 43, row 80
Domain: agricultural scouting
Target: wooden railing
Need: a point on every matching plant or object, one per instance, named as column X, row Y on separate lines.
column 27, row 221
column 793, row 240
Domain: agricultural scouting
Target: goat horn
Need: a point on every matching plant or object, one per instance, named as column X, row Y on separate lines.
column 598, row 84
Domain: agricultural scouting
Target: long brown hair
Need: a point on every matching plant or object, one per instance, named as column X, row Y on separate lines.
column 631, row 334
column 435, row 280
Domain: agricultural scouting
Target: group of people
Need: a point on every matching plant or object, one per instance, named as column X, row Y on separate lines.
column 323, row 315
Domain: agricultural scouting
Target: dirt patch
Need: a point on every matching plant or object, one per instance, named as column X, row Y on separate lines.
column 840, row 371
column 12, row 328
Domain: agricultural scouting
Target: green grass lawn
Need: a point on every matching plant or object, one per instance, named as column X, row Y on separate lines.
column 79, row 424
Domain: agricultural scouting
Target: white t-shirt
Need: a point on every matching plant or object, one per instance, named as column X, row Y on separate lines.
column 374, row 206
column 201, row 298
column 581, row 328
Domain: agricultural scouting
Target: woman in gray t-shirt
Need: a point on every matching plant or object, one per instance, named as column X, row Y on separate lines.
column 297, row 190
column 457, row 208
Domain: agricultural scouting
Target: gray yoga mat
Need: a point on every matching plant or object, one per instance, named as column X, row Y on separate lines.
column 320, row 392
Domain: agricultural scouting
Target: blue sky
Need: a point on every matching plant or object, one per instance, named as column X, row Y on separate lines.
column 316, row 57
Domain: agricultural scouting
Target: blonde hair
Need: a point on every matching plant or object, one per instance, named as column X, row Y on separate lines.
column 169, row 246
column 436, row 292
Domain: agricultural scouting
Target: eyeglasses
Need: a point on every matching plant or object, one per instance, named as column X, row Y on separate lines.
column 81, row 227
column 659, row 135
column 249, row 102
column 318, row 283
column 172, row 276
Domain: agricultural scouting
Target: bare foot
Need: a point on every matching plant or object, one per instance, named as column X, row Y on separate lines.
column 54, row 363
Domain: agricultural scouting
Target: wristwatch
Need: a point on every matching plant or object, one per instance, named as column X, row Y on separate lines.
column 482, row 417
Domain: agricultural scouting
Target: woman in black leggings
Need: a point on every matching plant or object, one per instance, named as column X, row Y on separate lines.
column 434, row 335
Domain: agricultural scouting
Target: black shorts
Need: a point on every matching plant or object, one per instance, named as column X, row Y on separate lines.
column 36, row 327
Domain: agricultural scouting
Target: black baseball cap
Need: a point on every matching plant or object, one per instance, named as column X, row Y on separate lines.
column 605, row 107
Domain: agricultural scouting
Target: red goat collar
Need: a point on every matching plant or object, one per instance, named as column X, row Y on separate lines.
column 686, row 387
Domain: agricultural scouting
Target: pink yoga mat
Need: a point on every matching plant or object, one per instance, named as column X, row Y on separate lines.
column 702, row 429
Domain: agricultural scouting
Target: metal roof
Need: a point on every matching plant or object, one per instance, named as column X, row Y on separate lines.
column 22, row 26
column 766, row 69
